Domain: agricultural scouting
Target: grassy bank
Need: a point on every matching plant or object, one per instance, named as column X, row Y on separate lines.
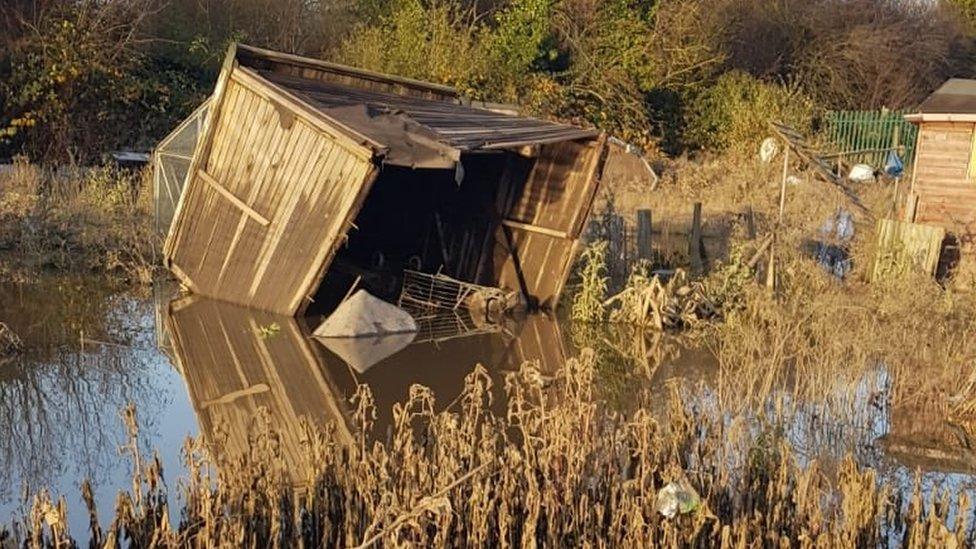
column 556, row 469
column 76, row 220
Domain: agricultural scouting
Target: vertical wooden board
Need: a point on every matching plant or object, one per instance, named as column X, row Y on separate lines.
column 247, row 235
column 555, row 199
column 203, row 210
column 246, row 262
column 282, row 150
column 201, row 151
column 545, row 262
column 345, row 198
column 288, row 172
column 297, row 239
column 558, row 186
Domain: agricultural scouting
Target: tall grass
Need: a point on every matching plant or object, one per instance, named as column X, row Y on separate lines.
column 588, row 300
column 75, row 219
column 554, row 469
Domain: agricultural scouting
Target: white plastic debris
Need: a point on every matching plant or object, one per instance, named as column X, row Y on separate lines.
column 861, row 173
column 677, row 498
column 364, row 315
column 768, row 150
column 793, row 181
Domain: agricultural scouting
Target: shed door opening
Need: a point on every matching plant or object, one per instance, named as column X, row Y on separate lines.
column 422, row 220
column 513, row 222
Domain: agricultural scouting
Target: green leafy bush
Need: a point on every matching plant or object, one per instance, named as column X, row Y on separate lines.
column 442, row 41
column 77, row 87
column 588, row 301
column 735, row 112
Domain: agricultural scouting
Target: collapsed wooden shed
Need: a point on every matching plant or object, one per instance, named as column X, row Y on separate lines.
column 311, row 174
column 943, row 188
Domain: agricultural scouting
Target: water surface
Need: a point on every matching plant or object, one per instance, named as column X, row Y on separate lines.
column 197, row 367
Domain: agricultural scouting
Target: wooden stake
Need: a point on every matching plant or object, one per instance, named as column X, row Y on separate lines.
column 750, row 223
column 771, row 270
column 695, row 241
column 644, row 248
column 782, row 190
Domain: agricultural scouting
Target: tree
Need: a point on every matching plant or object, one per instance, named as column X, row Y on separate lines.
column 77, row 84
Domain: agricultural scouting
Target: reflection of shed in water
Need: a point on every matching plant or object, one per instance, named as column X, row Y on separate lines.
column 926, row 440
column 309, row 174
column 237, row 360
column 443, row 364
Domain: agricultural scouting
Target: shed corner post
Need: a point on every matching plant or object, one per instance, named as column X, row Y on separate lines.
column 911, row 203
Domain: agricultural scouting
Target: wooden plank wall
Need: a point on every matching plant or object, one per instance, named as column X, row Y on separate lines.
column 946, row 194
column 264, row 213
column 232, row 369
column 545, row 217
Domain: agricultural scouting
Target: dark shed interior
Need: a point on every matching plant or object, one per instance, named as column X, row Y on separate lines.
column 426, row 220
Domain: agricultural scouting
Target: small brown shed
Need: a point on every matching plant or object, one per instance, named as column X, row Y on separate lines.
column 944, row 177
column 311, row 174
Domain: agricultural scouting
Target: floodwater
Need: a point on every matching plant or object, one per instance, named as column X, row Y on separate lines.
column 193, row 366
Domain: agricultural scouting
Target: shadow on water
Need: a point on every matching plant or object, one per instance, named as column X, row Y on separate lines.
column 221, row 366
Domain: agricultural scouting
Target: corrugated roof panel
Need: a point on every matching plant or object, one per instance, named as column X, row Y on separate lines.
column 411, row 126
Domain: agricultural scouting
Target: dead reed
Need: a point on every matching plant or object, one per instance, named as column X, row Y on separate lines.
column 555, row 469
column 646, row 300
column 76, row 219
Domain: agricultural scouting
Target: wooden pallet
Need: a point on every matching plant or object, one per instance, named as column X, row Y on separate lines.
column 903, row 246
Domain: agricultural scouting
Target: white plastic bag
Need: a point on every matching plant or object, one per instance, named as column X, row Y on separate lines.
column 677, row 498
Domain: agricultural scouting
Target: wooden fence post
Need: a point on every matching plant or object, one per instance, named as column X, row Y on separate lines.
column 644, row 248
column 695, row 244
column 750, row 223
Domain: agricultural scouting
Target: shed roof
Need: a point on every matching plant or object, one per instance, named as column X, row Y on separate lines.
column 414, row 123
column 955, row 100
column 957, row 95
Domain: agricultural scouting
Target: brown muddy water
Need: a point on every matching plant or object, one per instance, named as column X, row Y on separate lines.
column 197, row 367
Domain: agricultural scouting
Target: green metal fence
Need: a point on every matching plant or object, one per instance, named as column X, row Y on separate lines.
column 865, row 136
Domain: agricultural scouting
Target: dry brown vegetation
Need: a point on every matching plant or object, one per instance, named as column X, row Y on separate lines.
column 73, row 219
column 815, row 335
column 848, row 53
column 556, row 468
